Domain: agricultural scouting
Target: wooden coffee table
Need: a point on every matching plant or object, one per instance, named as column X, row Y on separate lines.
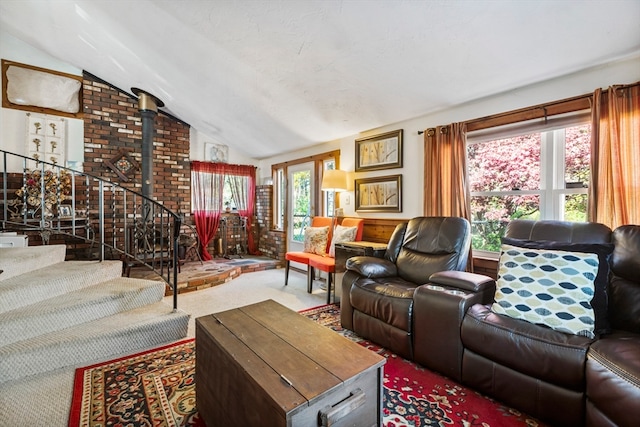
column 266, row 365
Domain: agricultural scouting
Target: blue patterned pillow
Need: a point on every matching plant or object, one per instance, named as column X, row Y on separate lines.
column 560, row 285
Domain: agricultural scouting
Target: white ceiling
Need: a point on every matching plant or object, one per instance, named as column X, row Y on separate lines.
column 267, row 77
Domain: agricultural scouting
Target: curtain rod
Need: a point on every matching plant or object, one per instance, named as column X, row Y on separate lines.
column 545, row 110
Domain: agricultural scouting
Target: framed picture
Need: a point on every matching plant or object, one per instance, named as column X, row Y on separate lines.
column 122, row 164
column 64, row 211
column 218, row 153
column 382, row 151
column 380, row 194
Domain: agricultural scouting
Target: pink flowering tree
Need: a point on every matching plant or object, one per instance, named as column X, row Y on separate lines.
column 513, row 165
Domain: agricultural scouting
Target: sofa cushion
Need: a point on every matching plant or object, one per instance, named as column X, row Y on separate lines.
column 315, row 240
column 559, row 285
column 624, row 288
column 624, row 301
column 342, row 234
column 543, row 353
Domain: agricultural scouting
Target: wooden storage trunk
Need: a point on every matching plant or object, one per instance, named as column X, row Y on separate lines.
column 265, row 365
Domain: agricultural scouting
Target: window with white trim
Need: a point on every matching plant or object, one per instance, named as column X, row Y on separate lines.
column 527, row 172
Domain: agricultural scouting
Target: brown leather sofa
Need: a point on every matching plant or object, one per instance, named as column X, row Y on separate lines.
column 613, row 362
column 377, row 294
column 447, row 325
column 563, row 379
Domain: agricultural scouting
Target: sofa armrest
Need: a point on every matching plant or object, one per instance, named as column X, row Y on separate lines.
column 463, row 280
column 371, row 267
column 438, row 310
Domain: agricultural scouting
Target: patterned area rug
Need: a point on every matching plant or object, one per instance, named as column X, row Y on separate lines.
column 156, row 388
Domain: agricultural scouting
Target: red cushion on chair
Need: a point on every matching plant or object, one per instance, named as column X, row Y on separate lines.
column 302, row 257
column 327, row 264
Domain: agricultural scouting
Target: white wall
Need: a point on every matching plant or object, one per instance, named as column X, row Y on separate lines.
column 13, row 127
column 620, row 72
column 197, row 145
column 12, row 122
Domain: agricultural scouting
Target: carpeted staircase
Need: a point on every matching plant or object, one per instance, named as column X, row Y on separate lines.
column 56, row 313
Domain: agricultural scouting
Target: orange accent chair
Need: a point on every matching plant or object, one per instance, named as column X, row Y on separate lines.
column 304, row 257
column 328, row 263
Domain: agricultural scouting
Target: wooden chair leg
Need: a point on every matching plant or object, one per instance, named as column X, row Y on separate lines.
column 310, row 274
column 286, row 272
column 329, row 283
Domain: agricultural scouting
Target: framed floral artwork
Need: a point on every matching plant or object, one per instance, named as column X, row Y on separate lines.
column 380, row 194
column 382, row 151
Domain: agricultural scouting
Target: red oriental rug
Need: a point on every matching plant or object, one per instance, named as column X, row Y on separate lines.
column 156, row 388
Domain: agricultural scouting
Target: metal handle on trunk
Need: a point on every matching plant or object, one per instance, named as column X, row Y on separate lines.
column 329, row 415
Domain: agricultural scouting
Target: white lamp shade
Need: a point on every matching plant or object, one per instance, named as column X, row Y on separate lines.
column 334, row 180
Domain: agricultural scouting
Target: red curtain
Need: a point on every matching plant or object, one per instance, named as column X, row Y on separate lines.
column 243, row 189
column 207, row 181
column 207, row 185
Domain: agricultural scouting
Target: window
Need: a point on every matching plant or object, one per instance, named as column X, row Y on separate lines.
column 210, row 203
column 318, row 204
column 527, row 173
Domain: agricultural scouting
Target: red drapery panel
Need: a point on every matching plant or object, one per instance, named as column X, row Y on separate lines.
column 242, row 179
column 207, row 183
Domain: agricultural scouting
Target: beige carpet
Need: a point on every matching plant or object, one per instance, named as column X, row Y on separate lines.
column 44, row 400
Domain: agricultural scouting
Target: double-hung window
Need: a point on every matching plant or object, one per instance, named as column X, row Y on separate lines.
column 527, row 172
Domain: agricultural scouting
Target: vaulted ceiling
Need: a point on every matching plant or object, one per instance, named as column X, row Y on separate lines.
column 267, row 77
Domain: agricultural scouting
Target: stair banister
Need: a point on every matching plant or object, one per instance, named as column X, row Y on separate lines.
column 157, row 219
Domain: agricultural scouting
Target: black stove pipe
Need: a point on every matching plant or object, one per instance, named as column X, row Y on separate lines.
column 148, row 107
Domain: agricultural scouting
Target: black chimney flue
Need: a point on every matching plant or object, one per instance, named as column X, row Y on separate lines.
column 148, row 107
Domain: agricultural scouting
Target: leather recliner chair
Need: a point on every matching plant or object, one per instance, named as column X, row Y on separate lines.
column 377, row 293
column 613, row 361
column 533, row 368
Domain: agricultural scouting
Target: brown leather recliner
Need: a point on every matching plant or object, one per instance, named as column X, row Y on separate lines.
column 613, row 362
column 377, row 293
column 533, row 368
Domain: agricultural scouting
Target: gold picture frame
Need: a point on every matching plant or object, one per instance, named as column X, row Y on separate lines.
column 378, row 152
column 379, row 194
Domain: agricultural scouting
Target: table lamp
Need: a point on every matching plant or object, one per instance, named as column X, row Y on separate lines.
column 334, row 180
